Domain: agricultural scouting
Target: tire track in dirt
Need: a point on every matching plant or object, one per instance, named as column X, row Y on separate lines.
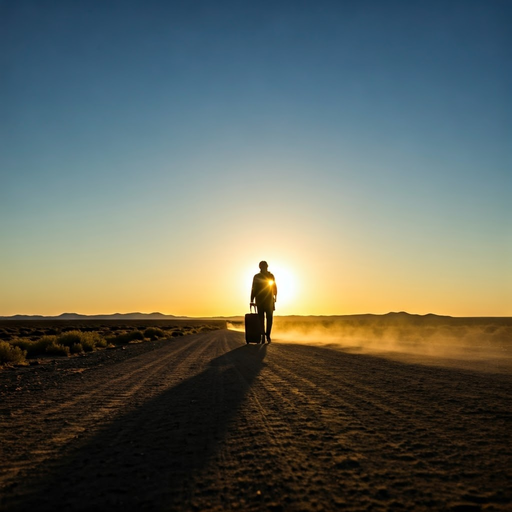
column 213, row 424
column 159, row 445
column 355, row 420
column 364, row 403
column 323, row 430
column 85, row 404
column 405, row 406
column 434, row 438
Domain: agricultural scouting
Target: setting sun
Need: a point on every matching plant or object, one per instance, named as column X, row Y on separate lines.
column 285, row 282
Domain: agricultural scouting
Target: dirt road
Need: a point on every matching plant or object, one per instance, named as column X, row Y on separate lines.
column 208, row 423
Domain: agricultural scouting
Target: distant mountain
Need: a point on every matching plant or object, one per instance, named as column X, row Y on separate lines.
column 24, row 317
column 392, row 318
column 70, row 316
column 77, row 316
column 136, row 316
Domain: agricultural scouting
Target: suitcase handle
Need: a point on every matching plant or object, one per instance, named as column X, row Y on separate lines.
column 252, row 305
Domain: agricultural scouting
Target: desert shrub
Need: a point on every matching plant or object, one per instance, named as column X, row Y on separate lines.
column 99, row 340
column 76, row 348
column 153, row 333
column 177, row 333
column 34, row 348
column 88, row 341
column 57, row 349
column 50, row 345
column 136, row 335
column 44, row 345
column 70, row 338
column 11, row 354
column 24, row 344
column 126, row 337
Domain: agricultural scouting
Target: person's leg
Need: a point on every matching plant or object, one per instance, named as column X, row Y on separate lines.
column 261, row 315
column 270, row 321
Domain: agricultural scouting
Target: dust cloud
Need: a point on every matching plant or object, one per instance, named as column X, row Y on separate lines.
column 480, row 343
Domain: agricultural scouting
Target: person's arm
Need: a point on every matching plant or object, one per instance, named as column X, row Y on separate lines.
column 253, row 291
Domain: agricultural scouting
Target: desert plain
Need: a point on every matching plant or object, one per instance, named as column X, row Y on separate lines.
column 392, row 412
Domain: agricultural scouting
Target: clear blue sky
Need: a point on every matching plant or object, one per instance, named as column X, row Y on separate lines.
column 151, row 153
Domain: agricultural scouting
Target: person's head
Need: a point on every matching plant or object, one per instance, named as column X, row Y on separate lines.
column 263, row 266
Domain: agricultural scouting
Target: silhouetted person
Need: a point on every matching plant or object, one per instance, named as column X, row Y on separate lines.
column 264, row 290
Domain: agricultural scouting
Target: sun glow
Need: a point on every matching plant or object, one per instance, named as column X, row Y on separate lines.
column 286, row 285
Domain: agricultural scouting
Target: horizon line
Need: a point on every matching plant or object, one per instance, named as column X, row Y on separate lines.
column 95, row 315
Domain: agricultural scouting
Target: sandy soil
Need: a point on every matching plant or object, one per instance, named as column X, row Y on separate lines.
column 207, row 423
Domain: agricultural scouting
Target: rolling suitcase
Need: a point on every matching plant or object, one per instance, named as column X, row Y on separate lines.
column 252, row 326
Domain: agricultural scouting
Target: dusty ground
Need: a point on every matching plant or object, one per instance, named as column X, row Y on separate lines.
column 207, row 423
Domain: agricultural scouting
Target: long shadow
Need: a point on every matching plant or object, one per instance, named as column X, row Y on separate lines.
column 146, row 459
